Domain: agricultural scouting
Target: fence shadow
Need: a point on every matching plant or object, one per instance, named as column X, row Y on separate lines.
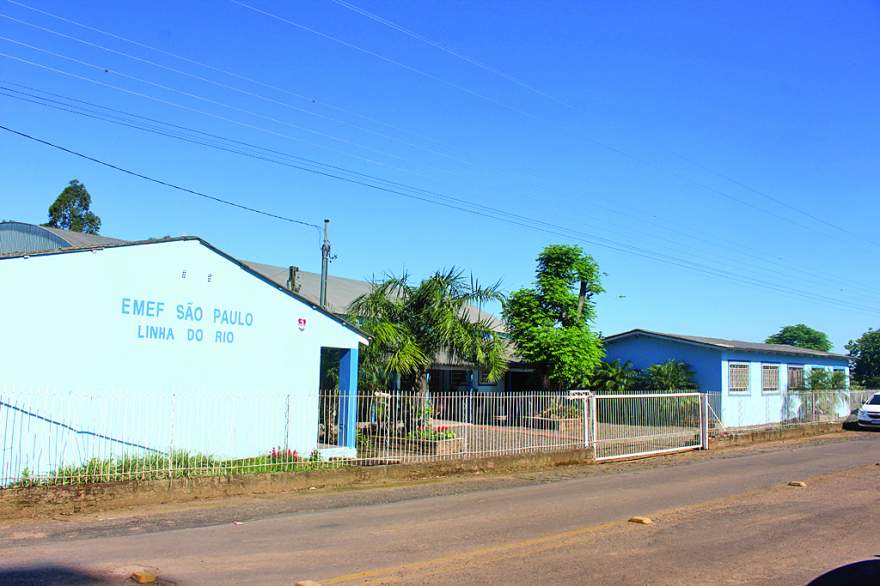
column 50, row 574
column 864, row 572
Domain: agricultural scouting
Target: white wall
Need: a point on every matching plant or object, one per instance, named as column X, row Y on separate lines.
column 70, row 331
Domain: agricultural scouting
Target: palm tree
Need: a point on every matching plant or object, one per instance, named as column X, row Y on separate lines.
column 671, row 375
column 410, row 324
column 612, row 377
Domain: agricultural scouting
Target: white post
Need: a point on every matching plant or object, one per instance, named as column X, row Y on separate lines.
column 594, row 415
column 704, row 421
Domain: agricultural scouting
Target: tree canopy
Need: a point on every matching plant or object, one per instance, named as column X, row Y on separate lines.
column 410, row 324
column 70, row 210
column 802, row 336
column 864, row 354
column 551, row 323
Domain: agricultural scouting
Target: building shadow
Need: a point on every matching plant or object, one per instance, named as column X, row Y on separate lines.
column 50, row 575
column 864, row 572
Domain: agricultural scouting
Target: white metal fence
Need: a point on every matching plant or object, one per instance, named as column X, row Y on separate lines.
column 80, row 437
column 644, row 424
column 71, row 438
column 734, row 413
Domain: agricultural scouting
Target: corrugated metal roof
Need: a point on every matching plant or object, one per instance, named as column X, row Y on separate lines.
column 19, row 237
column 341, row 291
column 80, row 240
column 731, row 344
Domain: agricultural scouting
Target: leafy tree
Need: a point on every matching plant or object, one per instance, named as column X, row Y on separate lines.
column 864, row 355
column 551, row 323
column 70, row 210
column 802, row 336
column 410, row 324
column 671, row 375
column 613, row 377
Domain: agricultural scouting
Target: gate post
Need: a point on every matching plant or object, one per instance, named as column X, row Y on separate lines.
column 587, row 418
column 704, row 421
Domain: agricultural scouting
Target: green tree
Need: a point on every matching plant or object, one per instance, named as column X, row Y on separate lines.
column 70, row 210
column 410, row 324
column 864, row 355
column 671, row 375
column 551, row 323
column 613, row 377
column 802, row 336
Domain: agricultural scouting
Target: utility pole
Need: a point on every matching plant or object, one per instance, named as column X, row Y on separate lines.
column 325, row 265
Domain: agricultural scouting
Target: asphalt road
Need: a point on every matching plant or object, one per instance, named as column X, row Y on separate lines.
column 729, row 518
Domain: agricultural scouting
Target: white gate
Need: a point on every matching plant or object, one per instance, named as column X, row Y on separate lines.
column 645, row 424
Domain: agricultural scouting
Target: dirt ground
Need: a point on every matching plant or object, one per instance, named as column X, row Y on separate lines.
column 726, row 517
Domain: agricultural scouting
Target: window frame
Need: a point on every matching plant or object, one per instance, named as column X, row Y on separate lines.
column 484, row 382
column 768, row 366
column 803, row 383
column 748, row 368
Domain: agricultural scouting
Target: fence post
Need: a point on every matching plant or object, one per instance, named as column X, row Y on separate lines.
column 171, row 443
column 704, row 421
column 586, row 422
column 594, row 416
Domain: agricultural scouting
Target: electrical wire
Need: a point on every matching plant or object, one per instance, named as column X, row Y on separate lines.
column 158, row 130
column 168, row 184
column 309, row 99
column 601, row 242
column 212, row 101
column 600, row 143
column 395, row 62
column 233, row 88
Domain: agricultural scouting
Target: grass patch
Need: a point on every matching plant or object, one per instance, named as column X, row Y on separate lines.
column 178, row 464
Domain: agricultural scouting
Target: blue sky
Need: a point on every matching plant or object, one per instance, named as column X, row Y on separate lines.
column 741, row 136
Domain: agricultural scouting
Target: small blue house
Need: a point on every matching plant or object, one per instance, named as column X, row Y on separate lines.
column 750, row 381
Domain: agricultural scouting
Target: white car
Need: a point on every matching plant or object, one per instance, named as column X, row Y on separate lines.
column 869, row 414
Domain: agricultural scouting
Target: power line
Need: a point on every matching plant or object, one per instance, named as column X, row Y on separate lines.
column 411, row 33
column 59, row 105
column 601, row 242
column 389, row 23
column 211, row 101
column 213, row 198
column 310, row 99
column 395, row 62
column 64, row 106
column 231, row 88
column 190, row 109
column 509, row 77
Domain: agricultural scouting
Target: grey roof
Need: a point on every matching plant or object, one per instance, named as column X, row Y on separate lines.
column 19, row 237
column 730, row 344
column 80, row 240
column 341, row 291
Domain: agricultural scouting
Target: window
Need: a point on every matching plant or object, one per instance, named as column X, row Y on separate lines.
column 770, row 378
column 738, row 377
column 795, row 378
column 484, row 379
column 838, row 379
column 458, row 379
